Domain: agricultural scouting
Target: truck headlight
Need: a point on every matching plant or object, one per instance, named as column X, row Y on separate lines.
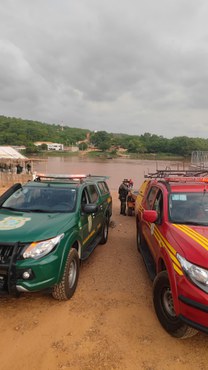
column 198, row 275
column 39, row 249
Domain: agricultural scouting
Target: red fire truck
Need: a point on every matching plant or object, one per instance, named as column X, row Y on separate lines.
column 172, row 236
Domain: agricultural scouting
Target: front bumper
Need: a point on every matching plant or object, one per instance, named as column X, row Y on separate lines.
column 194, row 314
column 18, row 275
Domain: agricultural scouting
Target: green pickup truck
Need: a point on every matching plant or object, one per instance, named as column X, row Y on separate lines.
column 47, row 226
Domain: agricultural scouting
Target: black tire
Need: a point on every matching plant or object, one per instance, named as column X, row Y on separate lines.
column 138, row 236
column 67, row 286
column 104, row 233
column 164, row 308
column 130, row 211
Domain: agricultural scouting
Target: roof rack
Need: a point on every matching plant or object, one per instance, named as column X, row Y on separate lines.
column 67, row 177
column 167, row 173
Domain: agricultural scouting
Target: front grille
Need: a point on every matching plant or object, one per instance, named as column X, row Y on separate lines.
column 2, row 283
column 7, row 250
column 9, row 253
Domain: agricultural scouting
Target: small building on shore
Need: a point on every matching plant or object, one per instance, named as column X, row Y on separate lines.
column 50, row 145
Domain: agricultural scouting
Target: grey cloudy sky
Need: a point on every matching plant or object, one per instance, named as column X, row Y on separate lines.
column 128, row 66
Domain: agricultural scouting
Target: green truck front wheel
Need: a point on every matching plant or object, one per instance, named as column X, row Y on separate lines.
column 67, row 286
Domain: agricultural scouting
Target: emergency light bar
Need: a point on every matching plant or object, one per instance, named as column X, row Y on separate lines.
column 73, row 177
column 50, row 176
column 61, row 176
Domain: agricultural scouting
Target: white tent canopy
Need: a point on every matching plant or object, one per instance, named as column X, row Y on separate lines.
column 12, row 161
column 7, row 152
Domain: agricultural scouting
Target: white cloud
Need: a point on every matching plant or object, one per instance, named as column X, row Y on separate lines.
column 116, row 65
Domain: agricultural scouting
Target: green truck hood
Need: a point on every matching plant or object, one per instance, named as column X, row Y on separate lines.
column 31, row 226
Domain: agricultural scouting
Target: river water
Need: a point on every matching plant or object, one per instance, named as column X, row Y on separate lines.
column 117, row 169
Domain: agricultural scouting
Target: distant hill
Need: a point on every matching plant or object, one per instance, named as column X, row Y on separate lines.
column 16, row 131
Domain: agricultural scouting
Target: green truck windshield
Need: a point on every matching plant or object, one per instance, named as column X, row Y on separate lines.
column 43, row 199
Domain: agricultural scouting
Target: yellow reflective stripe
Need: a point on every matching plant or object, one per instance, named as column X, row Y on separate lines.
column 174, row 259
column 89, row 236
column 141, row 208
column 193, row 235
column 171, row 251
column 180, row 272
column 169, row 248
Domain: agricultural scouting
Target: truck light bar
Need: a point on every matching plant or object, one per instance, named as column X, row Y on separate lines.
column 60, row 176
column 50, row 176
column 72, row 177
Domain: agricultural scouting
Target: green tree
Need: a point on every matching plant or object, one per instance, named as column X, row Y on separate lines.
column 182, row 145
column 102, row 140
column 83, row 146
column 31, row 148
column 44, row 147
column 135, row 146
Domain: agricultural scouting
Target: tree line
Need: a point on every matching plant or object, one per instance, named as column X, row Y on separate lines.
column 16, row 131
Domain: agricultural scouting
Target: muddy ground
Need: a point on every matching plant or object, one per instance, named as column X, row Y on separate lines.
column 108, row 324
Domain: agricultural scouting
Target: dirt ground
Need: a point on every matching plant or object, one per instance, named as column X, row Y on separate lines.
column 108, row 324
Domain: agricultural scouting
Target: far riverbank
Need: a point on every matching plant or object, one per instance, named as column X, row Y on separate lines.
column 93, row 154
